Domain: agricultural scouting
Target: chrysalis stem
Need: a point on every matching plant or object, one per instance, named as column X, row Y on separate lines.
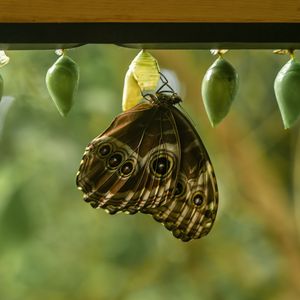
column 60, row 52
column 218, row 52
column 292, row 53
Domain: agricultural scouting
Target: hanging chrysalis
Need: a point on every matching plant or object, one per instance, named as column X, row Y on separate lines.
column 3, row 61
column 219, row 88
column 287, row 89
column 62, row 82
column 142, row 76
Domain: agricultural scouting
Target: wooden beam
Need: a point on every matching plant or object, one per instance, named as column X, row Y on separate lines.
column 151, row 35
column 69, row 11
column 181, row 24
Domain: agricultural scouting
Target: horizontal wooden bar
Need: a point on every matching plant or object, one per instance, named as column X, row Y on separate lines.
column 70, row 11
column 151, row 35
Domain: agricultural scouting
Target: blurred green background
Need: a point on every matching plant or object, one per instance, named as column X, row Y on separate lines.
column 54, row 246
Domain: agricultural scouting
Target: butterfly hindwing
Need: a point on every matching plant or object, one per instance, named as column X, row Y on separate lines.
column 190, row 213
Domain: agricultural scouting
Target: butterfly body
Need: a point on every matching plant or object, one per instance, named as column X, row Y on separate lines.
column 151, row 159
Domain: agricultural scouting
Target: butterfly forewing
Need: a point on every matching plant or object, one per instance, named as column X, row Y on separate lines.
column 134, row 163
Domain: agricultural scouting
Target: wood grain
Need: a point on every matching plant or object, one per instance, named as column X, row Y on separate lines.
column 32, row 11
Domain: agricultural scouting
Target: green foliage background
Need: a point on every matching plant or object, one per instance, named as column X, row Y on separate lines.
column 53, row 246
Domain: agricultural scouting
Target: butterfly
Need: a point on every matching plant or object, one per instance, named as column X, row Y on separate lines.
column 152, row 160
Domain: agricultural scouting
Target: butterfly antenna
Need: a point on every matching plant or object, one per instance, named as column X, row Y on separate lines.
column 165, row 82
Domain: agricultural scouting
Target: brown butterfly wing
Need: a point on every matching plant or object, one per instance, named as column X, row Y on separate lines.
column 191, row 212
column 134, row 163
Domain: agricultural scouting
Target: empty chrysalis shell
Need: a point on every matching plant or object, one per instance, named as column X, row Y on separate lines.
column 219, row 88
column 287, row 92
column 62, row 82
column 142, row 75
